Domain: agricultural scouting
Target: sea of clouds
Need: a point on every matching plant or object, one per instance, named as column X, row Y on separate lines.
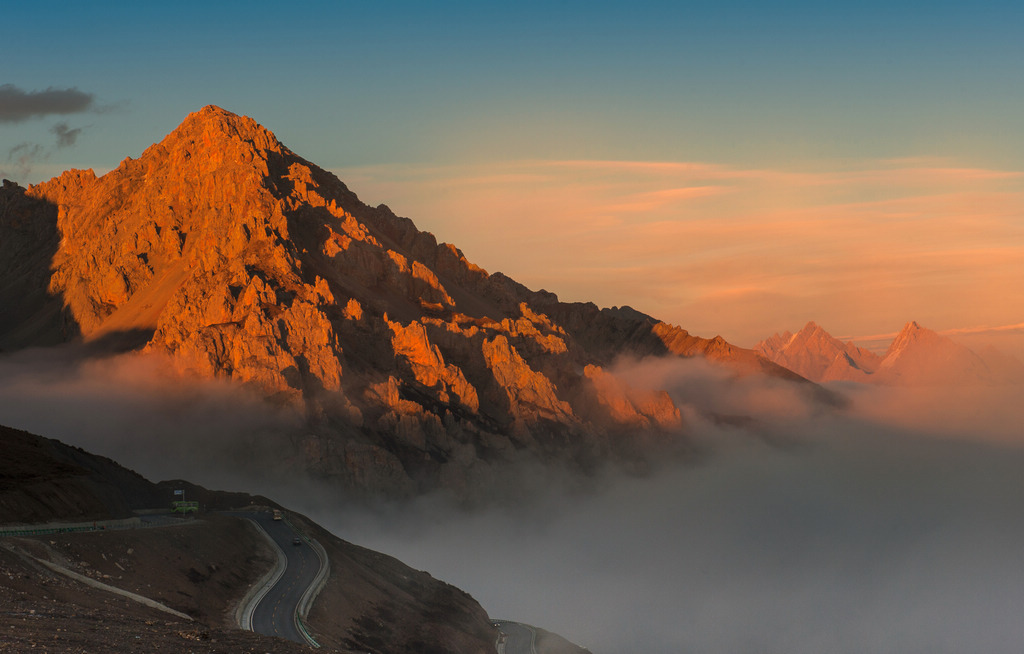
column 890, row 522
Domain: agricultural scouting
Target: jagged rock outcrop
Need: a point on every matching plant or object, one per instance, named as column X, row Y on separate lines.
column 630, row 406
column 222, row 248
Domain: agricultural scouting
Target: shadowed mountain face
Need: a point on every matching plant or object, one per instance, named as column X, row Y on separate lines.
column 28, row 241
column 43, row 480
column 417, row 369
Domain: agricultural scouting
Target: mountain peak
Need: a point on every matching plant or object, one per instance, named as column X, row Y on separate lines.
column 211, row 114
column 817, row 355
column 911, row 332
column 812, row 331
column 214, row 110
column 211, row 127
column 225, row 251
column 919, row 356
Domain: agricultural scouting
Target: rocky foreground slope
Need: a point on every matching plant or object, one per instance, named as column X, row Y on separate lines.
column 416, row 369
column 200, row 569
column 43, row 480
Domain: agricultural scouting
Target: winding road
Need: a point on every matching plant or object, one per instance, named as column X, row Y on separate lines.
column 276, row 611
column 518, row 638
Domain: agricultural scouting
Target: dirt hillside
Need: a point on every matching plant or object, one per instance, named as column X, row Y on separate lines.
column 199, row 568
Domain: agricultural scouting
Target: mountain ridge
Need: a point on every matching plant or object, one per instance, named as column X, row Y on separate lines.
column 917, row 356
column 225, row 251
column 817, row 355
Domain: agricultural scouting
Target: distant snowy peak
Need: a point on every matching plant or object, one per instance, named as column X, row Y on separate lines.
column 917, row 356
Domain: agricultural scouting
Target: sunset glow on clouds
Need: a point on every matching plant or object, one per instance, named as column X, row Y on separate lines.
column 736, row 168
column 861, row 248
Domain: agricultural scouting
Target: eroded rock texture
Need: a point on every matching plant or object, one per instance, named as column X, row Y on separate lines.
column 417, row 369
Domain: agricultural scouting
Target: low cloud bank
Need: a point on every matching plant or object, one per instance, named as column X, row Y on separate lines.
column 802, row 528
column 137, row 411
column 870, row 532
column 835, row 549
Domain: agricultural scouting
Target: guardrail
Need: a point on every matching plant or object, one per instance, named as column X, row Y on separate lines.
column 72, row 527
column 306, row 603
column 243, row 614
column 247, row 607
column 308, row 597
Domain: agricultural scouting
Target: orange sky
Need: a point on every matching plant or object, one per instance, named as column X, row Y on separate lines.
column 861, row 247
column 726, row 166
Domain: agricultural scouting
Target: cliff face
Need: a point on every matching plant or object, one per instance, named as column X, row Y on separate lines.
column 225, row 250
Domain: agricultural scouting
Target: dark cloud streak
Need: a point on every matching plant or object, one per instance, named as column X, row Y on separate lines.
column 66, row 136
column 17, row 105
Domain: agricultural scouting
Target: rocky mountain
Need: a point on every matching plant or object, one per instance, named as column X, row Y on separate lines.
column 815, row 354
column 917, row 357
column 232, row 256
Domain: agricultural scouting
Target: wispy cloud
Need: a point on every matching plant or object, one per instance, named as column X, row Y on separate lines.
column 959, row 331
column 986, row 330
column 18, row 105
column 862, row 246
column 66, row 136
column 23, row 157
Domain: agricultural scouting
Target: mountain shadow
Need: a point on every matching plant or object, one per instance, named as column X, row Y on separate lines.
column 29, row 240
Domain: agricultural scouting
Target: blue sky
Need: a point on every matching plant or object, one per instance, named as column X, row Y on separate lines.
column 377, row 90
column 736, row 168
column 361, row 83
